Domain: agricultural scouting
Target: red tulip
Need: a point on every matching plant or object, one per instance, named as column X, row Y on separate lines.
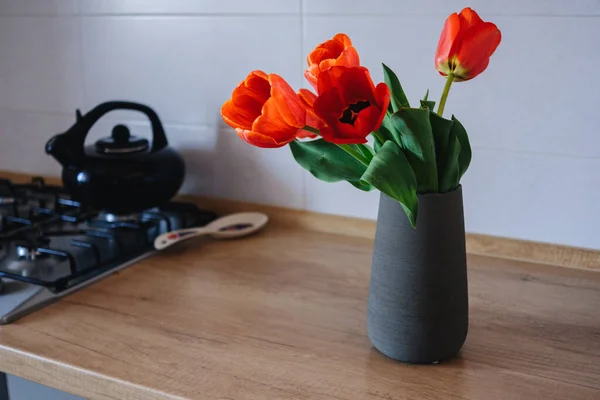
column 349, row 104
column 265, row 111
column 337, row 51
column 308, row 100
column 466, row 45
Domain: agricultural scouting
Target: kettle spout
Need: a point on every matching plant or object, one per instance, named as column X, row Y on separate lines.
column 65, row 150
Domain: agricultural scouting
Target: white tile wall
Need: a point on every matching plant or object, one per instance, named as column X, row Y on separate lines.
column 526, row 195
column 171, row 63
column 23, row 136
column 445, row 7
column 531, row 115
column 540, row 91
column 203, row 7
column 248, row 173
column 38, row 7
column 40, row 63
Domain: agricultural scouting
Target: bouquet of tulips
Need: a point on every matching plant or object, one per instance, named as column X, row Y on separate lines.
column 415, row 150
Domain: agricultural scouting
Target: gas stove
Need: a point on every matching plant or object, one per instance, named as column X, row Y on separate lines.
column 50, row 245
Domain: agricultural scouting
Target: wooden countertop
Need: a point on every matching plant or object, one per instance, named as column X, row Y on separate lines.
column 281, row 315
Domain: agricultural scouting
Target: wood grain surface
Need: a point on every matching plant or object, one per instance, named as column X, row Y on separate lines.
column 281, row 315
column 493, row 246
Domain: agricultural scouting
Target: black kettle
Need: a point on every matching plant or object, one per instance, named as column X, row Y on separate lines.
column 122, row 173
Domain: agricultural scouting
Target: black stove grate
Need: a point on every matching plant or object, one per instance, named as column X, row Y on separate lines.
column 50, row 240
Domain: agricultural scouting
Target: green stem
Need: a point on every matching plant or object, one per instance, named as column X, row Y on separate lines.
column 354, row 153
column 445, row 93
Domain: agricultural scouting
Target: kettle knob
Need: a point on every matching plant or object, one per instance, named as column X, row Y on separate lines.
column 120, row 134
column 121, row 142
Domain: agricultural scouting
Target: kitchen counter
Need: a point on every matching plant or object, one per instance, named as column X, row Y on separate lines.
column 281, row 315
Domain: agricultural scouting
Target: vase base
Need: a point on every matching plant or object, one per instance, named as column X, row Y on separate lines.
column 412, row 357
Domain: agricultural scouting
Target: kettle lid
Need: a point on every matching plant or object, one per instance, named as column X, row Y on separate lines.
column 121, row 142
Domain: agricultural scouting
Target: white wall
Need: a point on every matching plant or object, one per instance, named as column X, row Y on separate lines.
column 531, row 116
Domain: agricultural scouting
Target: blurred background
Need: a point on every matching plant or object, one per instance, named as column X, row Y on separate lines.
column 531, row 115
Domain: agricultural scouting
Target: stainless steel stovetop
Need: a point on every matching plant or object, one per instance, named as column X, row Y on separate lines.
column 51, row 246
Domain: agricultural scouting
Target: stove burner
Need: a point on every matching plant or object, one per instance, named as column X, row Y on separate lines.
column 109, row 217
column 7, row 200
column 28, row 253
column 51, row 244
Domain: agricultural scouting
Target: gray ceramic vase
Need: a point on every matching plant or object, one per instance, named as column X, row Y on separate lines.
column 418, row 309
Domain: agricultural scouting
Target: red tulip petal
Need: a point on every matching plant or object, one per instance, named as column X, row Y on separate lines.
column 382, row 97
column 328, row 134
column 469, row 18
column 270, row 121
column 342, row 133
column 464, row 75
column 343, row 39
column 236, row 117
column 302, row 134
column 257, row 80
column 478, row 44
column 329, row 49
column 258, row 73
column 326, row 64
column 246, row 101
column 319, row 54
column 330, row 78
column 329, row 106
column 447, row 38
column 260, row 140
column 356, row 84
column 249, row 103
column 308, row 99
column 255, row 85
column 311, row 77
column 271, row 124
column 348, row 58
column 259, row 94
column 367, row 120
column 289, row 105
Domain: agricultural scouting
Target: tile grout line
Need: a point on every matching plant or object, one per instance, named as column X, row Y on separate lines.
column 133, row 121
column 266, row 14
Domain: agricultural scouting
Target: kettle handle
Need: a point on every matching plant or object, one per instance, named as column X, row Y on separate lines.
column 85, row 122
column 159, row 139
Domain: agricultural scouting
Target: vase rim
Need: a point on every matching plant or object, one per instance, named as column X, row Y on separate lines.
column 437, row 194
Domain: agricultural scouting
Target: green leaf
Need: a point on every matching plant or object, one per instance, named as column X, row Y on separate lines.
column 398, row 98
column 416, row 137
column 384, row 133
column 440, row 127
column 387, row 125
column 327, row 162
column 428, row 104
column 392, row 174
column 464, row 157
column 366, row 150
column 447, row 149
column 389, row 129
column 451, row 171
column 377, row 144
